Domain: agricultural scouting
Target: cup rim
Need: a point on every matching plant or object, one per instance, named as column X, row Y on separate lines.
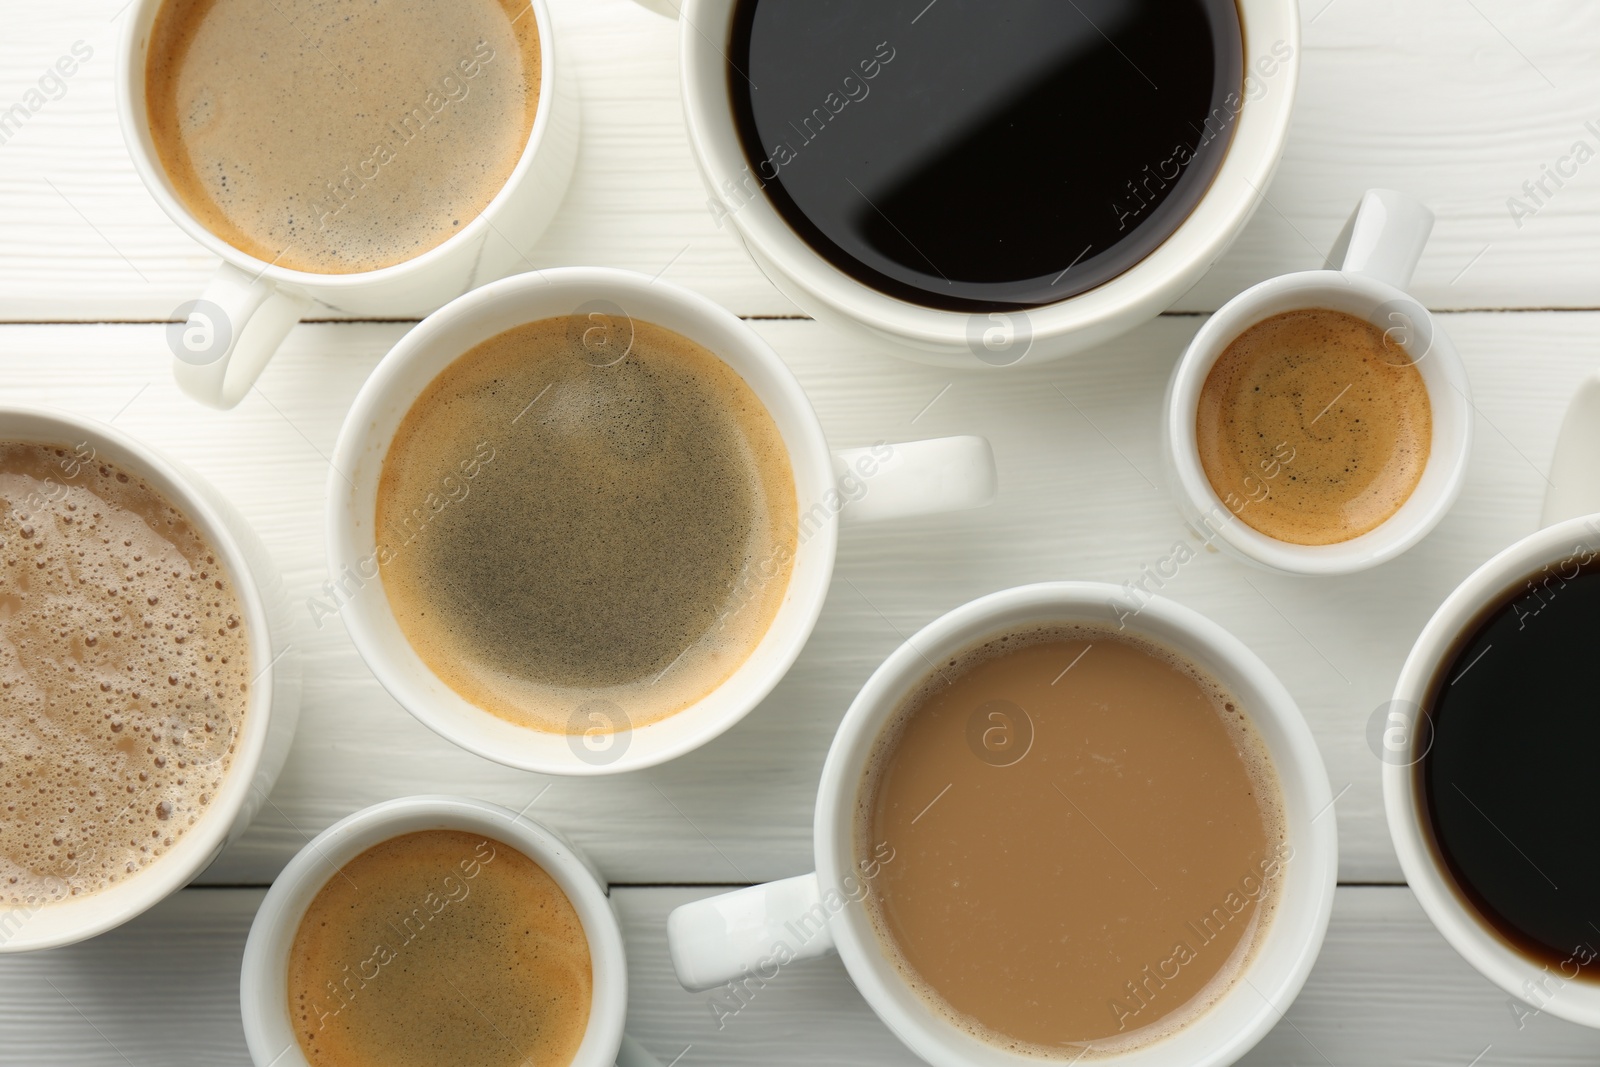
column 136, row 135
column 263, row 990
column 1301, row 772
column 799, row 612
column 1418, row 516
column 67, row 922
column 1434, row 887
column 1161, row 276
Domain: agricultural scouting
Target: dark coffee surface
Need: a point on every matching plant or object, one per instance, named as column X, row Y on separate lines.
column 558, row 523
column 1506, row 784
column 974, row 155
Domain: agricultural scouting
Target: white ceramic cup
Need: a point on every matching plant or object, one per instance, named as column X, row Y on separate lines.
column 264, row 975
column 274, row 699
column 880, row 482
column 983, row 340
column 724, row 938
column 244, row 314
column 1571, row 534
column 1377, row 254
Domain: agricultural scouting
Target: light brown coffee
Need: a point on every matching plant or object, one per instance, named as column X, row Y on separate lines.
column 1087, row 837
column 436, row 949
column 336, row 136
column 124, row 674
column 572, row 535
column 1314, row 426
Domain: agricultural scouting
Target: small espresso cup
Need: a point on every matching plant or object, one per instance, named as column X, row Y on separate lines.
column 274, row 698
column 880, row 482
column 723, row 939
column 1382, row 243
column 238, row 323
column 264, row 976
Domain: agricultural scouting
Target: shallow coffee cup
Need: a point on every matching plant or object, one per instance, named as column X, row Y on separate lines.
column 237, row 324
column 1380, row 248
column 726, row 938
column 981, row 340
column 263, row 981
column 274, row 696
column 881, row 482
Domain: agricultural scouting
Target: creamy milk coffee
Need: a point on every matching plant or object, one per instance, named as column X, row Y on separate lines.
column 570, row 519
column 336, row 136
column 124, row 674
column 1317, row 424
column 437, row 949
column 1089, row 840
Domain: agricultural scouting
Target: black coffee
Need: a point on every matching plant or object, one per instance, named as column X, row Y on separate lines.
column 1507, row 783
column 985, row 154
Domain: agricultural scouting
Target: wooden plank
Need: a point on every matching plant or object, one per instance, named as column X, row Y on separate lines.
column 1079, row 466
column 164, row 990
column 1458, row 104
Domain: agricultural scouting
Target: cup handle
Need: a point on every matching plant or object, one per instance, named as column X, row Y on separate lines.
column 1384, row 238
column 887, row 481
column 723, row 938
column 1575, row 469
column 231, row 333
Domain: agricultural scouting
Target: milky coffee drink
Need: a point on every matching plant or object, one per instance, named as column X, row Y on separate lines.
column 1088, row 839
column 440, row 949
column 335, row 136
column 1316, row 424
column 586, row 526
column 124, row 674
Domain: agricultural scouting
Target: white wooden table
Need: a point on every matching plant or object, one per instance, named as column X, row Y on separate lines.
column 1458, row 101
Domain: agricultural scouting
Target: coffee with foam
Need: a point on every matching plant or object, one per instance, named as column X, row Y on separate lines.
column 124, row 674
column 336, row 136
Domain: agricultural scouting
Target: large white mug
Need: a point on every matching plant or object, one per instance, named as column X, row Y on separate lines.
column 1401, row 731
column 881, row 481
column 274, row 696
column 982, row 340
column 238, row 323
column 727, row 938
column 264, row 975
column 1375, row 258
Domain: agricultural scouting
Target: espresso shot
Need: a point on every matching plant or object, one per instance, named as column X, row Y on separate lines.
column 436, row 949
column 1314, row 426
column 1503, row 783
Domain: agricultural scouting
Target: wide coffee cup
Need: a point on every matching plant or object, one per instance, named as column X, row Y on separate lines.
column 981, row 340
column 879, row 482
column 1375, row 258
column 269, row 1027
column 726, row 939
column 274, row 689
column 1402, row 730
column 237, row 324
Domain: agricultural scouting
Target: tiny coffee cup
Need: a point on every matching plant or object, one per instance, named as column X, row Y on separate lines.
column 881, row 482
column 722, row 939
column 237, row 324
column 1383, row 241
column 263, row 981
column 274, row 697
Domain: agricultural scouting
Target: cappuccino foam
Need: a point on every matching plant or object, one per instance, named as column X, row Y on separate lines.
column 124, row 674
